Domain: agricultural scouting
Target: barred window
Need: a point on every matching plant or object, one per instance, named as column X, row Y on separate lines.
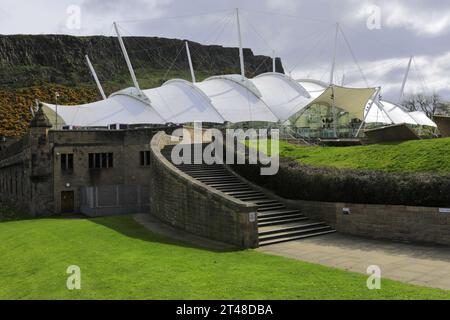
column 145, row 158
column 101, row 160
column 66, row 161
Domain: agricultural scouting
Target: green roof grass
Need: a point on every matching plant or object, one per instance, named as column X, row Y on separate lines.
column 411, row 156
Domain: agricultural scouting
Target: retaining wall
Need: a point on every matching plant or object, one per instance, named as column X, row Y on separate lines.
column 185, row 203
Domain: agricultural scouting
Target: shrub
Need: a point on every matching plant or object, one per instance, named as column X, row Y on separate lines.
column 302, row 182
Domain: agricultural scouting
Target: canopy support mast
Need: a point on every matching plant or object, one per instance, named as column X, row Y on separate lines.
column 333, row 66
column 274, row 62
column 405, row 79
column 191, row 67
column 127, row 58
column 241, row 51
column 94, row 75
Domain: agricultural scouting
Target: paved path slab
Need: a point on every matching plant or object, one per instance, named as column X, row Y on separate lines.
column 423, row 265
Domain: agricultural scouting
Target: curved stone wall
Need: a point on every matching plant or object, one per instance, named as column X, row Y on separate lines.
column 185, row 203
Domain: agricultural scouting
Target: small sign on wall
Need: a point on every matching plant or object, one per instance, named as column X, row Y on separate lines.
column 252, row 216
column 444, row 210
column 346, row 211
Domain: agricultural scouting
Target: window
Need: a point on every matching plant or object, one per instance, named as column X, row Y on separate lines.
column 101, row 160
column 66, row 161
column 145, row 158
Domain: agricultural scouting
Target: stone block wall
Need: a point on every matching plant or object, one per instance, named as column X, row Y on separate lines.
column 187, row 204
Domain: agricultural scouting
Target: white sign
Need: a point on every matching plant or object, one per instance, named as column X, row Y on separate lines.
column 252, row 217
column 444, row 210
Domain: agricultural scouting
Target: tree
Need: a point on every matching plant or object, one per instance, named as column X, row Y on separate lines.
column 430, row 104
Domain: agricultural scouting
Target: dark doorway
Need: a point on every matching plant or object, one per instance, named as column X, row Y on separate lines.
column 67, row 202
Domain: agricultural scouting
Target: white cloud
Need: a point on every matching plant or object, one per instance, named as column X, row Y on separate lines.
column 410, row 15
column 284, row 5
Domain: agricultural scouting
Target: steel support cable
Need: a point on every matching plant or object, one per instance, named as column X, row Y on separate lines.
column 421, row 77
column 173, row 17
column 138, row 42
column 325, row 36
column 173, row 62
column 285, row 15
column 353, row 55
column 313, row 35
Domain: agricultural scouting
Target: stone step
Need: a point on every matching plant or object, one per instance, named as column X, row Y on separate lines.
column 265, row 231
column 293, row 238
column 206, row 178
column 277, row 213
column 228, row 189
column 281, row 217
column 282, row 221
column 228, row 184
column 265, row 208
column 291, row 233
column 206, row 171
column 265, row 202
column 251, row 197
column 239, row 193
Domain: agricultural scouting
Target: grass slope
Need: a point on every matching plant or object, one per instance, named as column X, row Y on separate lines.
column 411, row 156
column 121, row 260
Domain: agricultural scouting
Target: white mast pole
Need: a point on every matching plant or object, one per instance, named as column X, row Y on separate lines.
column 402, row 91
column 274, row 62
column 241, row 51
column 127, row 59
column 333, row 66
column 94, row 74
column 191, row 67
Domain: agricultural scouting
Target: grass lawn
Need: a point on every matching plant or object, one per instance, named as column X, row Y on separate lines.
column 411, row 156
column 119, row 259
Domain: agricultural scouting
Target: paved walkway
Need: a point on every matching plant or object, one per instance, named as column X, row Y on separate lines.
column 416, row 264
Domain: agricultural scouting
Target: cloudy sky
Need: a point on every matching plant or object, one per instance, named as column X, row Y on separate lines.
column 375, row 40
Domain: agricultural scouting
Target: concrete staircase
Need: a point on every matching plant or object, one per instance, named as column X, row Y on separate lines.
column 276, row 222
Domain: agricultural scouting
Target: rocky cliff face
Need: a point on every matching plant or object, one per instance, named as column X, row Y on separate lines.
column 59, row 59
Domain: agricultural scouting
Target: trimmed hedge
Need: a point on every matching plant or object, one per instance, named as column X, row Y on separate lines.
column 301, row 182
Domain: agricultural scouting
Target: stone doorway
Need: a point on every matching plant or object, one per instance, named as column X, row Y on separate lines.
column 67, row 202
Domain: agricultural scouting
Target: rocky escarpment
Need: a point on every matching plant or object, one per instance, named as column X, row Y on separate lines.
column 59, row 59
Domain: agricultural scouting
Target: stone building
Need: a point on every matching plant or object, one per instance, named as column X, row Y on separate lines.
column 93, row 171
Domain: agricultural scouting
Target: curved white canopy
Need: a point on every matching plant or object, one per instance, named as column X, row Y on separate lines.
column 235, row 101
column 421, row 118
column 119, row 108
column 390, row 113
column 375, row 114
column 396, row 113
column 283, row 95
column 179, row 101
column 270, row 97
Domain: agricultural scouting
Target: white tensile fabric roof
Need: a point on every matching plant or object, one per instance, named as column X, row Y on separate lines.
column 388, row 113
column 283, row 95
column 236, row 99
column 422, row 119
column 116, row 109
column 179, row 101
column 215, row 100
column 348, row 99
column 270, row 97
